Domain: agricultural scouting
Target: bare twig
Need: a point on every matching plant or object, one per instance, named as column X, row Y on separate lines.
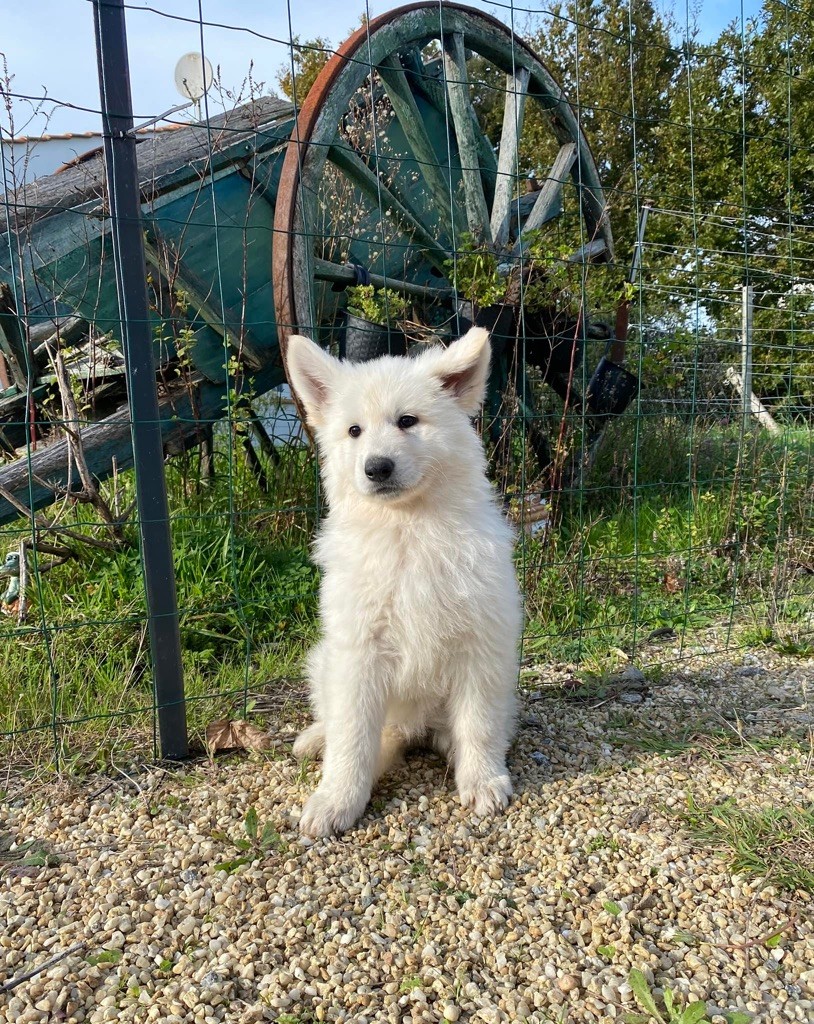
column 49, row 549
column 24, row 510
column 8, row 986
column 94, row 542
column 71, row 414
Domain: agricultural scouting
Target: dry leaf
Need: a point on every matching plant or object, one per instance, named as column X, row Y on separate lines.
column 226, row 735
column 672, row 584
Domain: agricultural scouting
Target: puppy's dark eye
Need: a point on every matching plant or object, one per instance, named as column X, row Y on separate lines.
column 405, row 422
column 355, row 430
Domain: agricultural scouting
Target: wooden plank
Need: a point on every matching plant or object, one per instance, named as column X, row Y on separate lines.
column 514, row 108
column 350, row 163
column 549, row 198
column 477, row 213
column 186, row 412
column 182, row 418
column 404, row 104
column 325, row 271
column 427, row 78
column 13, row 342
column 756, row 407
column 183, row 278
column 263, row 122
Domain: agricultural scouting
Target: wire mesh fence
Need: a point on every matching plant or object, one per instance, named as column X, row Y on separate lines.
column 620, row 194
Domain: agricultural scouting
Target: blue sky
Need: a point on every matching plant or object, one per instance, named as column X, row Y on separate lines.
column 48, row 45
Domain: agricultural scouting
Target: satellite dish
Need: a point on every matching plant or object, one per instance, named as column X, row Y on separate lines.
column 193, row 76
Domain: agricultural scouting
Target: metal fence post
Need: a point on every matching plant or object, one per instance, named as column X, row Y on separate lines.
column 746, row 353
column 131, row 285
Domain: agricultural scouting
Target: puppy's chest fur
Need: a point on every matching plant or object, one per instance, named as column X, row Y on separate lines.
column 414, row 590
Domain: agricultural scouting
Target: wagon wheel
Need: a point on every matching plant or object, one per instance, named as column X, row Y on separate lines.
column 392, row 162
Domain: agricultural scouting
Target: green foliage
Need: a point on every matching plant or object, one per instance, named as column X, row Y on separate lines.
column 256, row 845
column 107, row 956
column 380, row 306
column 557, row 283
column 609, row 571
column 623, row 113
column 674, row 1012
column 246, row 593
column 307, row 60
column 474, row 273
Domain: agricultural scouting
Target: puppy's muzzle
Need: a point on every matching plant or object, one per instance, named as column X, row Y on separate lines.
column 379, row 469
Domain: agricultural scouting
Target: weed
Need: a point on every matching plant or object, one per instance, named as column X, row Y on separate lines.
column 674, row 1011
column 408, row 984
column 107, row 956
column 258, row 842
column 775, row 843
column 603, row 842
column 304, row 767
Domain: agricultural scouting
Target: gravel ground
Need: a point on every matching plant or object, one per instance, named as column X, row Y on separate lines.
column 424, row 913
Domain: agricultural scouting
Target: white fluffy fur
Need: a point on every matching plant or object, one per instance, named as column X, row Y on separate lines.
column 421, row 613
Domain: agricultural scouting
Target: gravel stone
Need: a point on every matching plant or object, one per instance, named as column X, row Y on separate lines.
column 423, row 913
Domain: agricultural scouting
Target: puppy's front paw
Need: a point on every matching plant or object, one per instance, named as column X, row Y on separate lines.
column 487, row 797
column 325, row 814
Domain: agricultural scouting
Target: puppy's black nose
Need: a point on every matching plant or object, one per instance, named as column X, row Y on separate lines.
column 379, row 469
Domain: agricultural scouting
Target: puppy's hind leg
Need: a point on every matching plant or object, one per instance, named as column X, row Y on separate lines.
column 310, row 742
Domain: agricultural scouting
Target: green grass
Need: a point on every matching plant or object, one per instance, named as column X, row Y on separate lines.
column 723, row 535
column 713, row 533
column 246, row 590
column 773, row 843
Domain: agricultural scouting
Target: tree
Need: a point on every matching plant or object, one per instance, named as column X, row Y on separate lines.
column 618, row 67
column 307, row 60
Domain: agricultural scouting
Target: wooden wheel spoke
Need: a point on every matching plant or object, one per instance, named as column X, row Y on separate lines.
column 549, row 199
column 404, row 104
column 464, row 121
column 350, row 163
column 516, row 93
column 434, row 172
column 427, row 78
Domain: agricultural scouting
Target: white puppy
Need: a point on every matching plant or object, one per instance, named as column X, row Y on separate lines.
column 420, row 608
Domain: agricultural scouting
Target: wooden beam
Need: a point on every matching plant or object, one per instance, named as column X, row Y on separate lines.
column 549, row 198
column 756, row 407
column 427, row 78
column 350, row 163
column 404, row 104
column 343, row 274
column 477, row 213
column 514, row 108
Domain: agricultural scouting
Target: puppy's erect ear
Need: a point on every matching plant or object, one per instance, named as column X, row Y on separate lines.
column 463, row 368
column 312, row 373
